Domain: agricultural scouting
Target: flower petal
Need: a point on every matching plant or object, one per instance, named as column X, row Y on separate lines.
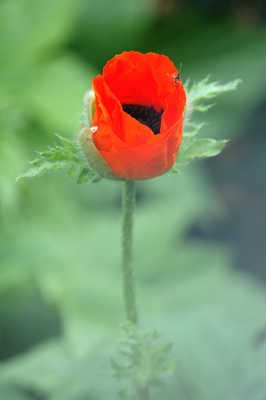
column 146, row 161
column 126, row 71
column 112, row 121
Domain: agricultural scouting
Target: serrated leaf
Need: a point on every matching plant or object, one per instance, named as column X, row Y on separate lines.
column 202, row 108
column 192, row 129
column 87, row 175
column 202, row 148
column 204, row 90
column 143, row 357
column 198, row 95
column 43, row 167
column 64, row 156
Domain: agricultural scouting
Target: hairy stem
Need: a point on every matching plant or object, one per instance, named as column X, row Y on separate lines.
column 128, row 206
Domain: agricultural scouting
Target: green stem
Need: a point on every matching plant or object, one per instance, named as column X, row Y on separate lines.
column 128, row 206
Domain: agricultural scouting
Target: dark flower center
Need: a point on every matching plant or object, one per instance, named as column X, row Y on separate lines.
column 146, row 115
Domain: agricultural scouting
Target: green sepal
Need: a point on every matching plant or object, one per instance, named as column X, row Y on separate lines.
column 95, row 160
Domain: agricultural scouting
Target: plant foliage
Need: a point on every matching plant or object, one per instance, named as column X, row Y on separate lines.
column 198, row 99
column 144, row 359
column 66, row 156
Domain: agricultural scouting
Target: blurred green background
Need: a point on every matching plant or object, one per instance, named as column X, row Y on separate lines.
column 200, row 236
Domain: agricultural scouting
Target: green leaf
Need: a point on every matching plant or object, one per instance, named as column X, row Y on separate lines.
column 201, row 148
column 87, row 175
column 64, row 156
column 143, row 357
column 204, row 90
column 192, row 129
column 198, row 95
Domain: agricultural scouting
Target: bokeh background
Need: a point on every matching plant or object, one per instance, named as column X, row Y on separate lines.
column 200, row 236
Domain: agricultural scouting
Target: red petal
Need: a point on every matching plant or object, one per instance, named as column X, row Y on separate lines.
column 110, row 113
column 138, row 78
column 146, row 161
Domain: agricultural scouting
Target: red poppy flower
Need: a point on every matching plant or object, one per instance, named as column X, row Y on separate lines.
column 138, row 120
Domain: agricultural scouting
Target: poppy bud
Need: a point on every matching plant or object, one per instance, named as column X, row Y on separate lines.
column 138, row 119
